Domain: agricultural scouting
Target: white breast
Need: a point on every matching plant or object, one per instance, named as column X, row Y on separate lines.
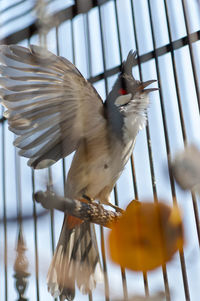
column 134, row 117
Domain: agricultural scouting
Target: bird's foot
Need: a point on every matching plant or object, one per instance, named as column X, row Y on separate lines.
column 117, row 208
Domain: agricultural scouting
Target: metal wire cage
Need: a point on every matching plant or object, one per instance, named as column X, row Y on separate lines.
column 96, row 36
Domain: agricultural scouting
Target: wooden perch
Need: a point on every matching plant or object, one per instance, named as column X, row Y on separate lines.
column 91, row 212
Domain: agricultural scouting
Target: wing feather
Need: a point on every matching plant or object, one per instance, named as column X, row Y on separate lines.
column 50, row 106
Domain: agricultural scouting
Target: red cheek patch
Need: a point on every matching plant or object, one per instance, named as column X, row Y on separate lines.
column 122, row 91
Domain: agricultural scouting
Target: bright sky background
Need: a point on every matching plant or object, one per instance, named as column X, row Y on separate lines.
column 141, row 158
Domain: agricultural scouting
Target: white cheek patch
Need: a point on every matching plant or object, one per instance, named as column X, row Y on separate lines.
column 123, row 99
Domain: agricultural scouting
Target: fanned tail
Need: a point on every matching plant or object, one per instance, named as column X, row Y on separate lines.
column 76, row 259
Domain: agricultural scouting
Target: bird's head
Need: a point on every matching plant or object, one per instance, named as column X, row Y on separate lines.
column 128, row 97
column 126, row 88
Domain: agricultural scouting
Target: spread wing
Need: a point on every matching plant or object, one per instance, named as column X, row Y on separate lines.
column 50, row 106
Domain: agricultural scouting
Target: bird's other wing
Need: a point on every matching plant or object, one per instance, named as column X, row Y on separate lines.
column 50, row 106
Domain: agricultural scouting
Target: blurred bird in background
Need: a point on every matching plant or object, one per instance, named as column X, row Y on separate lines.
column 55, row 111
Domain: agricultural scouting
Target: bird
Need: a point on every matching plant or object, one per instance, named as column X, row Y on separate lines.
column 54, row 111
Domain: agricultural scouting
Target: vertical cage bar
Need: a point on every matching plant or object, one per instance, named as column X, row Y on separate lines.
column 196, row 215
column 88, row 45
column 18, row 188
column 35, row 231
column 73, row 47
column 191, row 52
column 43, row 37
column 153, row 180
column 63, row 160
column 4, row 212
column 50, row 187
column 106, row 283
column 21, row 262
column 89, row 74
column 181, row 253
column 35, row 238
column 183, row 128
column 175, row 74
column 123, row 273
column 103, row 253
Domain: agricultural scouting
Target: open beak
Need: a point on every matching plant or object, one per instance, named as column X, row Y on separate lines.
column 143, row 85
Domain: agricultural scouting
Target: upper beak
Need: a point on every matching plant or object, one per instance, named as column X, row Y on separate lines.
column 143, row 85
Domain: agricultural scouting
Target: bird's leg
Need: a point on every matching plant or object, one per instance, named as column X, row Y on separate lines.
column 87, row 198
column 117, row 208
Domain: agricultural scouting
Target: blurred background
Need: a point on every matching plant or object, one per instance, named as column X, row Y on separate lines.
column 97, row 36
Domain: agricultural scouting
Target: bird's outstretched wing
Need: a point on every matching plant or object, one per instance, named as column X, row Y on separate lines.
column 50, row 106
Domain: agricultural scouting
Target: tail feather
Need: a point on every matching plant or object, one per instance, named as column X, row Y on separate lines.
column 58, row 273
column 76, row 259
column 90, row 269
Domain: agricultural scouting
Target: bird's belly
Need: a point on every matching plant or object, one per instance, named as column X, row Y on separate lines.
column 96, row 176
